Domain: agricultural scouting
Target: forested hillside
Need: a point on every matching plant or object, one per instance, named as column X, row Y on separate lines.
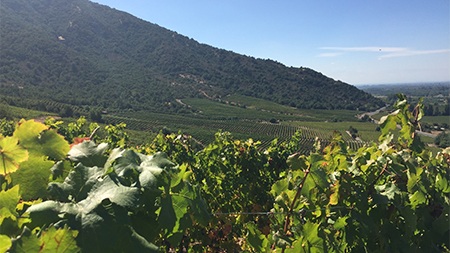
column 85, row 54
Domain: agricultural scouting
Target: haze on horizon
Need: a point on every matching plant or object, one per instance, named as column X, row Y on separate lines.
column 358, row 42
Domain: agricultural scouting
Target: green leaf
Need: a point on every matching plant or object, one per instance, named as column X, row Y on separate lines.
column 5, row 243
column 28, row 242
column 140, row 244
column 8, row 205
column 51, row 144
column 33, row 177
column 9, row 200
column 311, row 233
column 11, row 155
column 417, row 198
column 88, row 153
column 28, row 131
column 279, row 186
column 50, row 240
column 167, row 217
column 296, row 161
column 39, row 140
column 389, row 190
column 442, row 184
column 111, row 191
column 123, row 162
column 151, row 167
column 388, row 123
column 58, row 240
column 61, row 170
column 77, row 184
column 50, row 211
column 282, row 241
column 255, row 239
column 341, row 222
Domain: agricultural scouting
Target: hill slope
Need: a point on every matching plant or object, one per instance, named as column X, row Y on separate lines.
column 83, row 53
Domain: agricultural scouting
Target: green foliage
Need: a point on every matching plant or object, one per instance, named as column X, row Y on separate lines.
column 76, row 132
column 387, row 197
column 390, row 196
column 124, row 197
column 7, row 127
column 77, row 64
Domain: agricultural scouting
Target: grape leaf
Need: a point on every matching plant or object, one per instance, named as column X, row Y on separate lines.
column 11, row 155
column 51, row 144
column 58, row 240
column 50, row 240
column 88, row 153
column 33, row 177
column 5, row 243
column 311, row 233
column 8, row 201
column 417, row 198
column 39, row 140
column 28, row 131
column 107, row 189
column 77, row 184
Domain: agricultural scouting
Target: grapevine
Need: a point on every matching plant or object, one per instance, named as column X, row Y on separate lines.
column 232, row 195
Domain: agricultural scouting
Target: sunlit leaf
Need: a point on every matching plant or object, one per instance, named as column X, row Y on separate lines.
column 417, row 198
column 28, row 131
column 388, row 123
column 52, row 144
column 341, row 222
column 334, row 197
column 8, row 201
column 33, row 177
column 311, row 233
column 50, row 240
column 59, row 240
column 389, row 190
column 11, row 155
column 442, row 184
column 5, row 243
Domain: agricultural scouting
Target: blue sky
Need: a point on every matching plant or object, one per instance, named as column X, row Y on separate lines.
column 355, row 41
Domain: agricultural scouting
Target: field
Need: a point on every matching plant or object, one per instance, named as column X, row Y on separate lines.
column 251, row 118
column 244, row 117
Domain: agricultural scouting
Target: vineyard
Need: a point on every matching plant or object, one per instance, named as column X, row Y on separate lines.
column 80, row 188
column 203, row 130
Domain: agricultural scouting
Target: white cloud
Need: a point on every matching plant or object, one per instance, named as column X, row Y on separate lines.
column 387, row 52
column 414, row 52
column 329, row 54
column 365, row 49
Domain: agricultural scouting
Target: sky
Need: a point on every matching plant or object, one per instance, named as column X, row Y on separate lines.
column 355, row 41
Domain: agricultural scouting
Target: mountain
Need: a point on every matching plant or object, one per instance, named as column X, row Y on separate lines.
column 85, row 54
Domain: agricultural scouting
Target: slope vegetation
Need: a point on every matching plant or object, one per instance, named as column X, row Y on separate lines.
column 85, row 54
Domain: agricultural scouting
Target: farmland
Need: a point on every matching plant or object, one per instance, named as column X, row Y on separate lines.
column 255, row 119
column 244, row 117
